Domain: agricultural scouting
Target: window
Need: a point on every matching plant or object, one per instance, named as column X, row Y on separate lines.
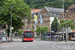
column 46, row 13
column 42, row 24
column 74, row 9
column 38, row 24
column 29, row 29
column 66, row 10
column 73, row 20
column 33, row 19
column 69, row 16
column 64, row 16
column 33, row 27
column 28, row 35
column 46, row 23
column 29, row 24
column 22, row 20
column 43, row 14
column 69, row 10
column 46, row 18
column 73, row 16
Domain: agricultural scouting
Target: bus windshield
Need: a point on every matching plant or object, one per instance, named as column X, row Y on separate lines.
column 28, row 35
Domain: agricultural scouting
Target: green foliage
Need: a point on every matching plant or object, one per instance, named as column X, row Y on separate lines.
column 44, row 29
column 38, row 30
column 54, row 25
column 49, row 3
column 19, row 10
column 41, row 30
column 1, row 2
column 32, row 29
column 20, row 31
column 4, row 26
column 61, row 21
column 69, row 23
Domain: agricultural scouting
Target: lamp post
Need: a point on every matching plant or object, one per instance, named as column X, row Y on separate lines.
column 66, row 29
column 66, row 26
column 11, row 24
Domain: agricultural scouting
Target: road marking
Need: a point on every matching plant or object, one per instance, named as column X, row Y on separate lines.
column 24, row 47
column 54, row 46
column 54, row 43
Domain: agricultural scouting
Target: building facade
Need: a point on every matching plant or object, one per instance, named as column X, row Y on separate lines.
column 47, row 14
column 69, row 14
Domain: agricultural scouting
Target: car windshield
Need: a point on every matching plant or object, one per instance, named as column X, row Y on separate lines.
column 28, row 35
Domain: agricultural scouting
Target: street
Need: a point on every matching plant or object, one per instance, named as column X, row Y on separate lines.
column 37, row 45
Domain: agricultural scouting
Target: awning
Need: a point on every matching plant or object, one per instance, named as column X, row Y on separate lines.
column 60, row 32
column 73, row 31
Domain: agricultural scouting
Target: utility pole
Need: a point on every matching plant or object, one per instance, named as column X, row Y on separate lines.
column 25, row 23
column 11, row 24
column 34, row 26
column 40, row 32
column 66, row 24
column 63, row 33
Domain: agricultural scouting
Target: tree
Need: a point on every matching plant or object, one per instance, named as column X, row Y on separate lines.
column 49, row 3
column 69, row 23
column 19, row 10
column 44, row 29
column 20, row 32
column 38, row 30
column 1, row 2
column 41, row 30
column 54, row 25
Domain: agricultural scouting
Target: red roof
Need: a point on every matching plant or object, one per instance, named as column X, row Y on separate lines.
column 35, row 10
column 71, row 7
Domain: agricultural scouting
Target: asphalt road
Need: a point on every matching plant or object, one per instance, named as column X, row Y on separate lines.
column 37, row 45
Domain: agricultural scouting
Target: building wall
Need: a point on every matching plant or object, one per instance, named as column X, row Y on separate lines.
column 46, row 18
column 46, row 21
column 69, row 15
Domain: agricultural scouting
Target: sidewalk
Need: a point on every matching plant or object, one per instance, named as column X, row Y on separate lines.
column 67, row 42
column 14, row 40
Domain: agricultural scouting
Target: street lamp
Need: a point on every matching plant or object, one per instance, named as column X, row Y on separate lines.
column 11, row 24
column 66, row 26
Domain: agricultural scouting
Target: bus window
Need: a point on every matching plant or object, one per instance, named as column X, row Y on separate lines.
column 28, row 35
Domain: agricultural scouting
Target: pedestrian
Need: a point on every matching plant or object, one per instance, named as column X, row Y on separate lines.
column 52, row 37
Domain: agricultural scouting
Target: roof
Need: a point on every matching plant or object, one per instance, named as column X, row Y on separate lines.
column 54, row 11
column 50, row 9
column 35, row 10
column 72, row 6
